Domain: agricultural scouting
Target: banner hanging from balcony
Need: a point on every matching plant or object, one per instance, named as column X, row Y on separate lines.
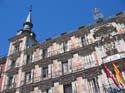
column 118, row 74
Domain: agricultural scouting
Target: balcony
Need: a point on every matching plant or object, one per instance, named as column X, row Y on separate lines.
column 14, row 54
column 61, row 76
column 37, row 58
column 114, row 57
column 12, row 69
column 27, row 65
column 10, row 88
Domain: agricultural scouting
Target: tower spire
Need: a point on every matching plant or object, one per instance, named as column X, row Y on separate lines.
column 28, row 23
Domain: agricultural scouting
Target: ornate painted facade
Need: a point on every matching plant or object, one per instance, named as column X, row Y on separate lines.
column 71, row 63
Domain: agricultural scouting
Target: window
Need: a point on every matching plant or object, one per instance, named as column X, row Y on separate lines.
column 85, row 40
column 94, row 81
column 65, row 46
column 28, row 77
column 13, row 63
column 61, row 50
column 29, row 59
column 67, row 88
column 46, row 91
column 10, row 81
column 65, row 67
column 17, row 48
column 45, row 72
column 44, row 53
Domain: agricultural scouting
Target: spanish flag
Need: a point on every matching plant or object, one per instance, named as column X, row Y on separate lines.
column 118, row 74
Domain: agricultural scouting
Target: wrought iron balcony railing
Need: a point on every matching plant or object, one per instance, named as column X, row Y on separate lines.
column 114, row 57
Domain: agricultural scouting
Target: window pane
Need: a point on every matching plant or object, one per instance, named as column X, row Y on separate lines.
column 68, row 88
column 45, row 72
column 44, row 53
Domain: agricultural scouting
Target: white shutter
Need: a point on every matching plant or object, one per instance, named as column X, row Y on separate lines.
column 50, row 90
column 49, row 70
column 90, row 60
column 33, row 57
column 60, row 68
column 49, row 52
column 17, row 62
column 40, row 53
column 22, row 77
column 123, row 45
column 103, row 52
column 79, row 42
column 94, row 59
column 88, row 63
column 13, row 81
column 69, row 65
column 24, row 59
column 32, row 75
column 99, row 55
column 92, row 56
column 74, row 87
column 39, row 72
column 61, row 48
column 8, row 63
column 68, row 45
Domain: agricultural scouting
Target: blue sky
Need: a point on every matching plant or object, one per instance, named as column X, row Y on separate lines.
column 51, row 17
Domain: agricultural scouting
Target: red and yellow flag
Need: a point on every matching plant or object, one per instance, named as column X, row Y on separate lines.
column 110, row 75
column 118, row 74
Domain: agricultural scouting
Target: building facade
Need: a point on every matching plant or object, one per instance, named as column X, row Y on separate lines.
column 2, row 68
column 76, row 62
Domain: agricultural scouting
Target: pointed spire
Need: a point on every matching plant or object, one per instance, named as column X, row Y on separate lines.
column 29, row 17
column 28, row 23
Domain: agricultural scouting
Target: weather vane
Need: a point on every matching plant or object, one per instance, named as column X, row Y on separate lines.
column 98, row 16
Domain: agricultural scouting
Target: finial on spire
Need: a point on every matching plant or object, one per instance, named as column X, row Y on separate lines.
column 98, row 16
column 28, row 23
column 30, row 9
